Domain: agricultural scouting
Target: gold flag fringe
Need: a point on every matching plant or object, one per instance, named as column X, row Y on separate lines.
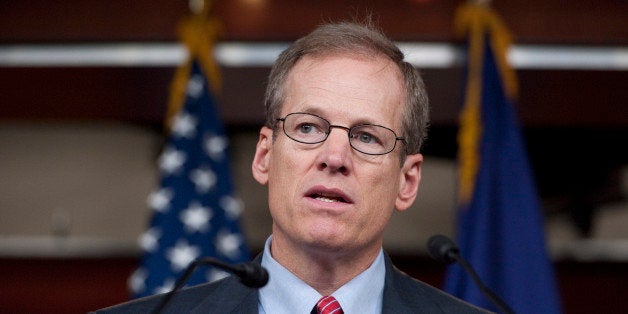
column 479, row 22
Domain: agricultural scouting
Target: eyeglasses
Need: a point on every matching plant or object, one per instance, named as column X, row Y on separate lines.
column 370, row 139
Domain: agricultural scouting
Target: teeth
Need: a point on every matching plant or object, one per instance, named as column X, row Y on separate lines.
column 325, row 199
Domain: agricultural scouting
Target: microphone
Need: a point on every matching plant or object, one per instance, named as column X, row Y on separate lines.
column 443, row 249
column 250, row 274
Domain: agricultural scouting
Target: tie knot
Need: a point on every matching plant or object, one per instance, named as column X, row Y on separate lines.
column 328, row 305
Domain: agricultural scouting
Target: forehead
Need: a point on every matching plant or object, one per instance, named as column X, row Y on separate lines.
column 359, row 89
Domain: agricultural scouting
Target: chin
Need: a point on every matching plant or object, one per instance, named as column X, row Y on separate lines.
column 329, row 242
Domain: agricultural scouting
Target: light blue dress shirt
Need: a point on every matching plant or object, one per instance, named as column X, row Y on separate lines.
column 285, row 293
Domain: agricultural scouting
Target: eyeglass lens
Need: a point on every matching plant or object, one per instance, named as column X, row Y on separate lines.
column 366, row 138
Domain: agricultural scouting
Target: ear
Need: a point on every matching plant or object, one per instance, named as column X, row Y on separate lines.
column 261, row 160
column 409, row 180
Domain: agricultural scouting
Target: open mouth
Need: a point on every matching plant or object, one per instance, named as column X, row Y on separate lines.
column 328, row 198
column 328, row 195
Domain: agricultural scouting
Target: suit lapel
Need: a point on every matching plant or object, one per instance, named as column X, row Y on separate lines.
column 401, row 294
column 231, row 297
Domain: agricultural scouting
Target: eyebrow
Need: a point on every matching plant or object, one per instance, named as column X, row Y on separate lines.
column 320, row 113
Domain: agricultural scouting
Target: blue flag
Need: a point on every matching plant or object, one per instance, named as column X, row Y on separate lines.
column 195, row 213
column 500, row 225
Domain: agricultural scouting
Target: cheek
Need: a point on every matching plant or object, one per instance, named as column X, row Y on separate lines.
column 383, row 184
column 284, row 176
column 379, row 193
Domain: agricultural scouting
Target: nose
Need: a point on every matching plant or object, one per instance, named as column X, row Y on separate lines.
column 335, row 155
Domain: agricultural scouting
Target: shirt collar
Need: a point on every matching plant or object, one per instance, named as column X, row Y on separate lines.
column 286, row 293
column 369, row 285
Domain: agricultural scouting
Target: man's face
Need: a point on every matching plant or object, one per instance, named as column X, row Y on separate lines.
column 328, row 197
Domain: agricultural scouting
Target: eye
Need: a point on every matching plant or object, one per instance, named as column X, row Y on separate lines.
column 366, row 138
column 306, row 128
column 309, row 128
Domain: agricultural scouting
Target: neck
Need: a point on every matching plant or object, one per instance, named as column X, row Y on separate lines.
column 325, row 270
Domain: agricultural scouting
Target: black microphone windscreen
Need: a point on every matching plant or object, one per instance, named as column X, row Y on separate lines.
column 252, row 275
column 442, row 248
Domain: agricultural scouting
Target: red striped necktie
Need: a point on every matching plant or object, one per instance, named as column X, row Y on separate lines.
column 327, row 305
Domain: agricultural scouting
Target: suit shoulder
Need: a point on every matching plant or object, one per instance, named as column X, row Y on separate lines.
column 183, row 301
column 424, row 295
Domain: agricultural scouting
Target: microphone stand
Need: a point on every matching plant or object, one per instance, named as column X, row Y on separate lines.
column 445, row 250
column 483, row 288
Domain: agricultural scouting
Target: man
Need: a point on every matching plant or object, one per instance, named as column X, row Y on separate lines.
column 340, row 151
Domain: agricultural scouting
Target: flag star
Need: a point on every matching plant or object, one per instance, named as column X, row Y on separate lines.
column 195, row 86
column 149, row 240
column 233, row 206
column 215, row 146
column 167, row 286
column 228, row 244
column 181, row 255
column 196, row 218
column 171, row 160
column 160, row 200
column 137, row 281
column 184, row 125
column 204, row 179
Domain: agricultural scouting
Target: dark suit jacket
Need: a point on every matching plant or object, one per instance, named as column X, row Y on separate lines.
column 402, row 294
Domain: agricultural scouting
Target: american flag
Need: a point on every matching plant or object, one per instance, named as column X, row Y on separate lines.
column 195, row 213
